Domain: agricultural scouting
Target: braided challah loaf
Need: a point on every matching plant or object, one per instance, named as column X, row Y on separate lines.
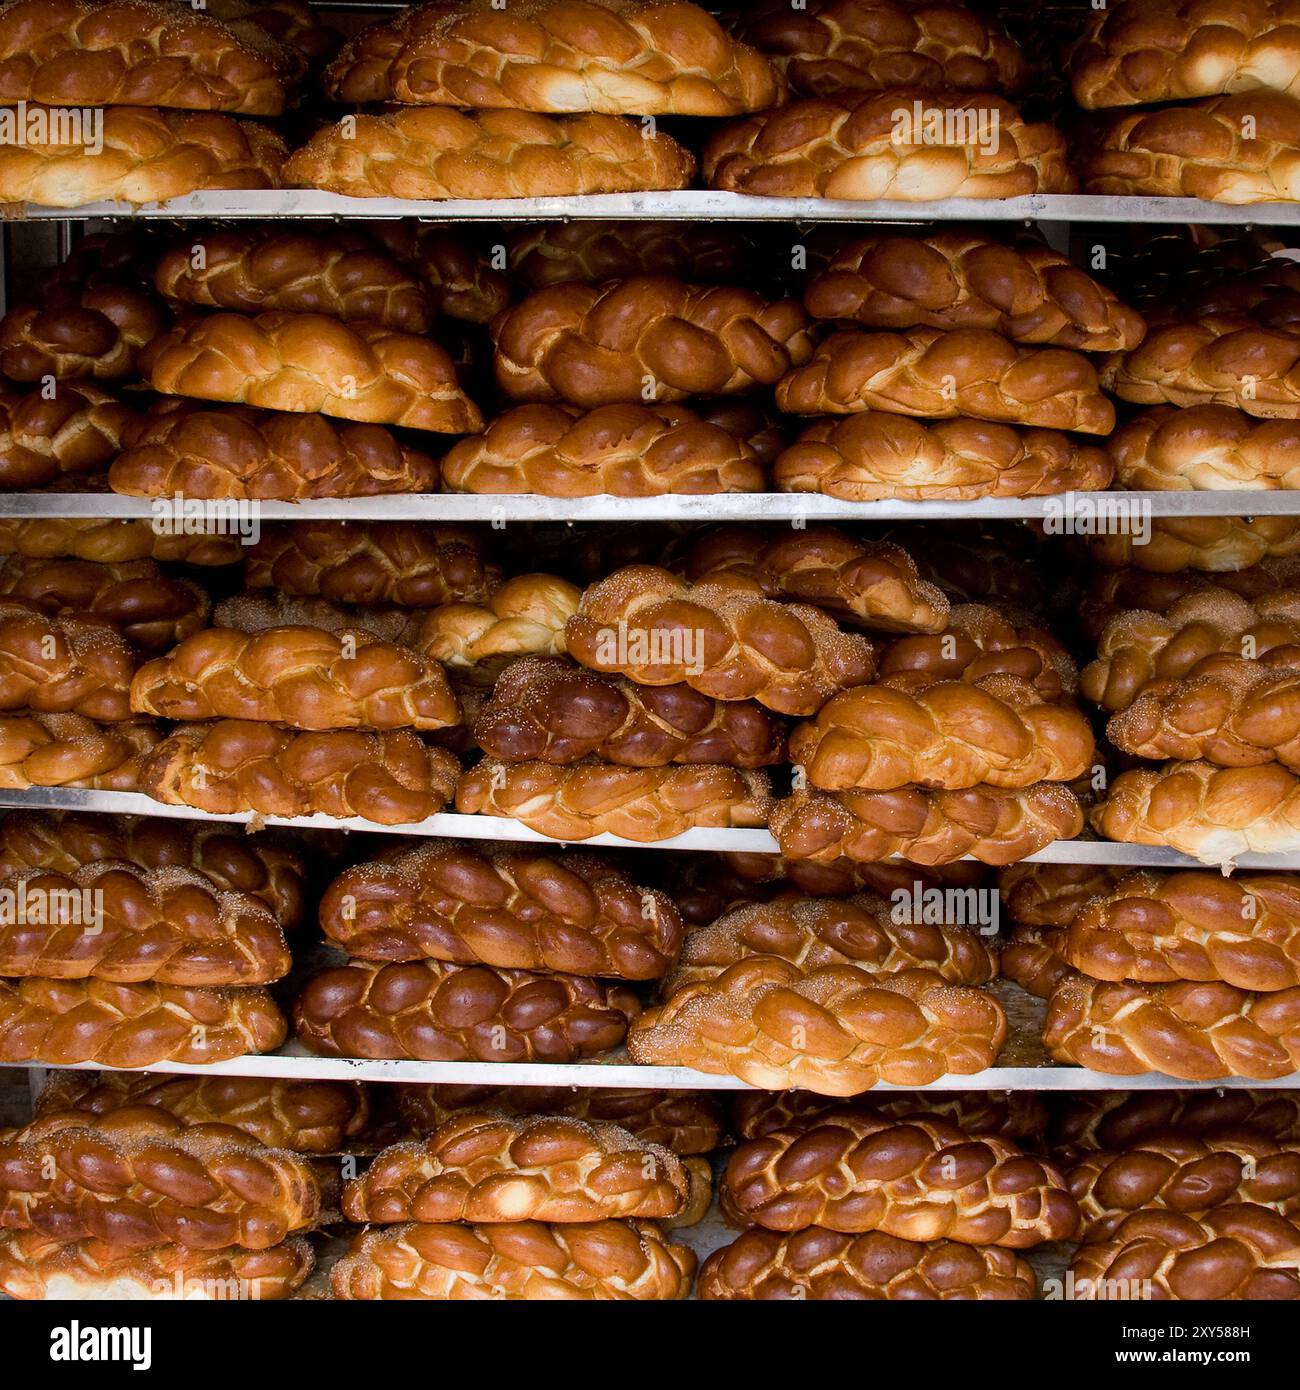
column 620, row 450
column 721, row 637
column 457, row 275
column 1196, row 1032
column 69, row 750
column 969, row 146
column 122, row 923
column 1235, row 1252
column 456, row 1262
column 436, row 152
column 136, row 53
column 300, row 676
column 74, row 332
column 39, row 1267
column 947, row 373
column 182, row 449
column 147, row 156
column 292, row 23
column 997, row 731
column 524, row 616
column 812, row 932
column 311, row 362
column 398, row 562
column 640, row 57
column 996, row 825
column 1051, row 895
column 140, row 1177
column 819, row 1264
column 256, row 610
column 1028, row 292
column 1202, row 543
column 112, row 542
column 341, row 275
column 1205, row 446
column 548, row 708
column 391, row 777
column 875, row 455
column 1231, row 149
column 919, row 1179
column 1178, row 1172
column 62, row 1022
column 1012, row 1114
column 447, row 901
column 551, row 253
column 834, row 1029
column 494, row 1168
column 60, row 440
column 648, row 338
column 432, row 1011
column 579, row 800
column 63, row 664
column 1211, row 813
column 1029, row 960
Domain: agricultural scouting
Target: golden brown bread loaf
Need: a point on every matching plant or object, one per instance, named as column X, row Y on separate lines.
column 1112, row 591
column 232, row 861
column 458, row 277
column 649, row 338
column 623, row 450
column 1196, row 1032
column 452, row 1261
column 524, row 616
column 997, row 731
column 864, row 930
column 63, row 664
column 74, row 332
column 311, row 362
column 856, row 147
column 1191, row 1176
column 1221, row 359
column 1012, row 1114
column 639, row 57
column 687, row 1122
column 566, row 912
column 1171, row 50
column 61, row 1022
column 554, row 710
column 721, row 637
column 316, row 1117
column 874, row 584
column 1211, row 813
column 139, row 1177
column 181, row 448
column 148, row 607
column 1211, row 447
column 818, row 1264
column 579, row 800
column 1029, row 960
column 35, row 1266
column 945, row 374
column 391, row 777
column 1229, row 149
column 411, row 564
column 835, row 1029
column 1236, row 1252
column 342, row 275
column 494, row 1168
column 856, row 1171
column 432, row 1011
column 552, row 253
column 1216, row 543
column 436, row 152
column 1028, row 292
column 874, row 455
column 69, row 750
column 114, row 921
column 300, row 676
column 109, row 542
column 1051, row 895
column 136, row 53
column 995, row 825
column 73, row 435
column 148, row 156
column 832, row 47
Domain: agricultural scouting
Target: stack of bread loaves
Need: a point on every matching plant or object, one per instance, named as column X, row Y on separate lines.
column 133, row 942
column 173, row 1188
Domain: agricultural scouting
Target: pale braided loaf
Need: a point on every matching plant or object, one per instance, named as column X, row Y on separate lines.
column 453, row 1261
column 834, row 1029
column 75, row 434
column 1201, row 543
column 819, row 1264
column 1196, row 1032
column 109, row 542
column 524, row 616
column 72, row 332
column 493, row 1168
column 447, row 901
column 943, row 374
column 1012, row 1114
column 1207, row 447
column 859, row 1171
column 69, row 750
column 140, row 1177
column 63, row 664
